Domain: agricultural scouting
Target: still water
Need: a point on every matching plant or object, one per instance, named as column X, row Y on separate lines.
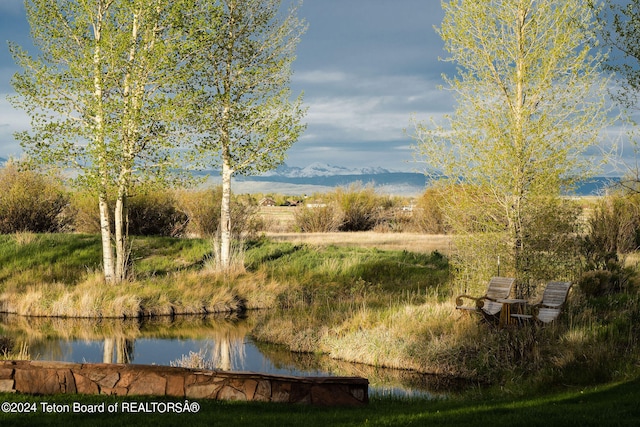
column 221, row 343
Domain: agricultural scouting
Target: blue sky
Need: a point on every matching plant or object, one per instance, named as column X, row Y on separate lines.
column 365, row 66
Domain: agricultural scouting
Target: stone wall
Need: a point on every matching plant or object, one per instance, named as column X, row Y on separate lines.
column 35, row 377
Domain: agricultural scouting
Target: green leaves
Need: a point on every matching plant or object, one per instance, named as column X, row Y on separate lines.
column 530, row 103
column 242, row 73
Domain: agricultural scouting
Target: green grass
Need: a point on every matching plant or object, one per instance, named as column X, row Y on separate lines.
column 382, row 308
column 610, row 405
column 67, row 258
column 48, row 258
column 391, row 271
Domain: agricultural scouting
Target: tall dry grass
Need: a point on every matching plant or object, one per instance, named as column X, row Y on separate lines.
column 193, row 293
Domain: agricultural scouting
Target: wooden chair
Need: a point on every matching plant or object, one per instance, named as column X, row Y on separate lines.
column 550, row 307
column 498, row 288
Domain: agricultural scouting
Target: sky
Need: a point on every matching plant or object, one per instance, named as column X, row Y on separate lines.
column 365, row 66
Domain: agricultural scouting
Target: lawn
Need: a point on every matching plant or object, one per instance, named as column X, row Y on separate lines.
column 608, row 405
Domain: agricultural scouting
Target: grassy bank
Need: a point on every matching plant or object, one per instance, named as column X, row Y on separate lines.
column 59, row 275
column 611, row 405
column 395, row 309
column 382, row 308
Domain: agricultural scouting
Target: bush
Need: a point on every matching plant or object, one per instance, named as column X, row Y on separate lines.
column 552, row 244
column 321, row 219
column 87, row 216
column 614, row 227
column 361, row 208
column 156, row 214
column 615, row 278
column 31, row 202
column 427, row 213
column 150, row 214
column 203, row 211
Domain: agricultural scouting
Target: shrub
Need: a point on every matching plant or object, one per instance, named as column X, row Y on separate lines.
column 360, row 207
column 32, row 202
column 613, row 278
column 87, row 215
column 150, row 214
column 427, row 213
column 552, row 243
column 203, row 211
column 614, row 227
column 156, row 214
column 321, row 219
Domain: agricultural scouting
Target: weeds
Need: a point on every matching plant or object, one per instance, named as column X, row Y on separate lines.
column 8, row 350
column 194, row 360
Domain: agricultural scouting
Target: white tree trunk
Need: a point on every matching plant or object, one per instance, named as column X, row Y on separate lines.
column 107, row 351
column 225, row 217
column 105, row 231
column 121, row 233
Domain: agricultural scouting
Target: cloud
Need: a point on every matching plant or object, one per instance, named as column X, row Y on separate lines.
column 379, row 107
column 11, row 120
column 319, row 77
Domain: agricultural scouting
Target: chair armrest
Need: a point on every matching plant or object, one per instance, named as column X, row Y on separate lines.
column 543, row 305
column 460, row 302
column 479, row 302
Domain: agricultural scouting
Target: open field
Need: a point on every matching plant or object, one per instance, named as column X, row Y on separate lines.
column 413, row 242
column 278, row 218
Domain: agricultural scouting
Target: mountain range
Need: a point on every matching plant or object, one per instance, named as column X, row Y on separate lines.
column 324, row 177
column 322, row 169
column 321, row 177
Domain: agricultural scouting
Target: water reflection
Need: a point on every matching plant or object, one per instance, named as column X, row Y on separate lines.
column 123, row 348
column 224, row 341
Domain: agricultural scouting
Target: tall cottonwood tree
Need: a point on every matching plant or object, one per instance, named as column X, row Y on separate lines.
column 244, row 115
column 530, row 102
column 100, row 99
column 620, row 31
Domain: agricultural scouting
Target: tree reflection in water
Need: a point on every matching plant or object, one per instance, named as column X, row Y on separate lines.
column 123, row 350
column 219, row 342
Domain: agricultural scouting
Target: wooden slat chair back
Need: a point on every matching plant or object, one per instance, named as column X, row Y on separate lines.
column 550, row 306
column 553, row 298
column 498, row 288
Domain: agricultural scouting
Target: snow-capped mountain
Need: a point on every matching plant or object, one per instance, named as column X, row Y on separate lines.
column 322, row 169
column 324, row 177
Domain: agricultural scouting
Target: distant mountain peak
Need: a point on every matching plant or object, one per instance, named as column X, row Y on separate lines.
column 322, row 169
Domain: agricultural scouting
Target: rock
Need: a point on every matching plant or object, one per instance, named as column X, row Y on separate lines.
column 231, row 393
column 202, row 391
column 113, row 379
column 85, row 385
column 37, row 381
column 150, row 384
column 6, row 386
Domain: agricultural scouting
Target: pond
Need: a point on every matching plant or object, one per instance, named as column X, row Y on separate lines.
column 219, row 342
